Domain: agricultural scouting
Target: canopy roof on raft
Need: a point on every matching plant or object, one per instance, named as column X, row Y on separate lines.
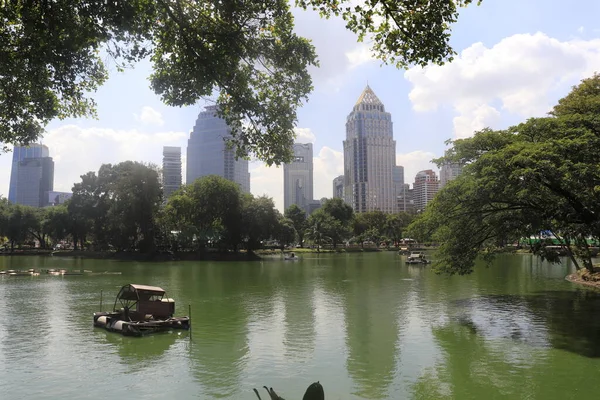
column 132, row 291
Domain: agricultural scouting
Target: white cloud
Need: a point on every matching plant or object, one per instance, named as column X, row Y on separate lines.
column 414, row 162
column 521, row 72
column 267, row 181
column 338, row 49
column 359, row 56
column 581, row 29
column 304, row 135
column 149, row 116
column 327, row 165
column 76, row 151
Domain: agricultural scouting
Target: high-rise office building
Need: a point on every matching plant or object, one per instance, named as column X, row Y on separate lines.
column 425, row 188
column 35, row 178
column 171, row 170
column 398, row 176
column 448, row 172
column 338, row 187
column 207, row 153
column 298, row 177
column 406, row 201
column 20, row 153
column 369, row 156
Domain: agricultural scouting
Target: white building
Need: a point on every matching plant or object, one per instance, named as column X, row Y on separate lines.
column 425, row 188
column 298, row 177
column 171, row 170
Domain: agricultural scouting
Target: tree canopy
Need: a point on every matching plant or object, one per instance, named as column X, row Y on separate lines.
column 53, row 53
column 539, row 176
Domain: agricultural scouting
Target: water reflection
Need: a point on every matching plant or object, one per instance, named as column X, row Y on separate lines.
column 371, row 300
column 366, row 325
column 140, row 353
column 220, row 333
column 299, row 315
column 559, row 319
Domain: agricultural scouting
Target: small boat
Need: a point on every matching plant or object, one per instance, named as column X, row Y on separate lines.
column 417, row 258
column 403, row 251
column 139, row 310
column 292, row 257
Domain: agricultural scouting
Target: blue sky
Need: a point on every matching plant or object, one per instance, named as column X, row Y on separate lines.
column 516, row 58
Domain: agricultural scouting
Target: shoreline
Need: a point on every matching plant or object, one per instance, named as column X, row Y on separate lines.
column 258, row 255
column 575, row 278
column 134, row 256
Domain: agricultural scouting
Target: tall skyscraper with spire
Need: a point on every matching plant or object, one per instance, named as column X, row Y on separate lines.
column 207, row 153
column 369, row 156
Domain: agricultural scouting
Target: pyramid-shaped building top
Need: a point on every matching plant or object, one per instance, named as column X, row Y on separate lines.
column 369, row 99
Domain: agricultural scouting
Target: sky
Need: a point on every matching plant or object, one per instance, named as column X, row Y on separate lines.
column 515, row 60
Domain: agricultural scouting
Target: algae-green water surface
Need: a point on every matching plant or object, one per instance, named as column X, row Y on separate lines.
column 366, row 326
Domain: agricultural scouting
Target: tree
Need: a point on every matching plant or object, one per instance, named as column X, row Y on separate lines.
column 206, row 210
column 323, row 227
column 84, row 210
column 339, row 210
column 259, row 220
column 541, row 175
column 246, row 50
column 285, row 232
column 135, row 197
column 57, row 224
column 19, row 224
column 396, row 224
column 298, row 218
column 403, row 32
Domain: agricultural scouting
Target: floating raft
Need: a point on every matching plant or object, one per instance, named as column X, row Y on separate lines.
column 113, row 322
column 139, row 310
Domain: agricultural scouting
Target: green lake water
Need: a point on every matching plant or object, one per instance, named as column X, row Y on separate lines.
column 366, row 326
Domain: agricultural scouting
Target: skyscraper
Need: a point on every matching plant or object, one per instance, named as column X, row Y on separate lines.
column 369, row 156
column 20, row 153
column 171, row 170
column 298, row 177
column 207, row 153
column 425, row 187
column 35, row 178
column 398, row 176
column 338, row 187
column 448, row 172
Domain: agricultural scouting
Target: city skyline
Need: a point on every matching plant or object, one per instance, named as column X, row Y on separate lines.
column 508, row 68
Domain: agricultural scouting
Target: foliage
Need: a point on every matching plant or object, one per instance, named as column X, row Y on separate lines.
column 244, row 50
column 285, row 233
column 206, row 211
column 339, row 210
column 541, row 175
column 403, row 32
column 324, row 228
column 298, row 218
column 118, row 206
column 259, row 220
